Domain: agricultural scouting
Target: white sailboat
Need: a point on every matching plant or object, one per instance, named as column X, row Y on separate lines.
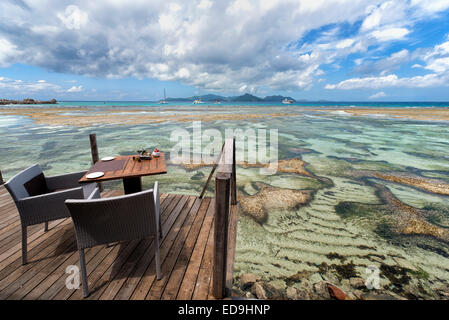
column 163, row 101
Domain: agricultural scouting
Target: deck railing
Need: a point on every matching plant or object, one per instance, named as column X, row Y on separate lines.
column 225, row 197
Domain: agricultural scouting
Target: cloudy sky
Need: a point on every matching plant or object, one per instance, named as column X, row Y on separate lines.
column 309, row 49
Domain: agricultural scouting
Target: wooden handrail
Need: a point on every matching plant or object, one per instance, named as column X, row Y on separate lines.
column 214, row 167
column 225, row 195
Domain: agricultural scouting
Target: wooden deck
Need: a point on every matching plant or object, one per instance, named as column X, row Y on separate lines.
column 121, row 271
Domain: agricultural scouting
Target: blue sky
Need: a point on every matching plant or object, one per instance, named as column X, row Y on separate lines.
column 115, row 50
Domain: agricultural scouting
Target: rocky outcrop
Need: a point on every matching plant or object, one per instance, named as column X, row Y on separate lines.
column 27, row 101
column 399, row 217
column 248, row 279
column 396, row 283
column 432, row 185
column 271, row 198
column 294, row 165
column 336, row 292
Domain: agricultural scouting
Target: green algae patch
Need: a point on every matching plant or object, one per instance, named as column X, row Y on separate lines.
column 345, row 271
column 397, row 275
column 420, row 274
column 347, row 209
column 384, row 230
column 334, row 255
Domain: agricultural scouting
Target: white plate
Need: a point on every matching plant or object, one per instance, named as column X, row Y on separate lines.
column 107, row 158
column 94, row 175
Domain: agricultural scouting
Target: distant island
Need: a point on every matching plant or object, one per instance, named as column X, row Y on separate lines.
column 243, row 98
column 27, row 101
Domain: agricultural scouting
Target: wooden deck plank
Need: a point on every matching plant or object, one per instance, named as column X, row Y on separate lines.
column 149, row 277
column 46, row 285
column 58, row 291
column 122, row 274
column 133, row 280
column 111, row 265
column 39, row 242
column 183, row 243
column 204, row 278
column 115, row 285
column 120, row 271
column 21, row 275
column 187, row 258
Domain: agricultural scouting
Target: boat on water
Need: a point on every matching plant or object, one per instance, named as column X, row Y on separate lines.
column 287, row 101
column 164, row 101
column 197, row 101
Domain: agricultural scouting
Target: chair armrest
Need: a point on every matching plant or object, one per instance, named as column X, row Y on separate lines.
column 64, row 181
column 46, row 201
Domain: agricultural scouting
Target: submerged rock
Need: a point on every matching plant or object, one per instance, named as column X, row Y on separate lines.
column 297, row 277
column 399, row 218
column 427, row 184
column 322, row 290
column 291, row 293
column 357, row 282
column 294, row 165
column 276, row 288
column 336, row 292
column 259, row 291
column 247, row 280
column 316, row 277
column 377, row 296
column 271, row 198
column 197, row 176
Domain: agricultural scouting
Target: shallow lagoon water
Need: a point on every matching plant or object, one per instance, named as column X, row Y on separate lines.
column 334, row 145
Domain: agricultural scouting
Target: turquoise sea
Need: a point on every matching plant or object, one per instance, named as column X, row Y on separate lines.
column 377, row 182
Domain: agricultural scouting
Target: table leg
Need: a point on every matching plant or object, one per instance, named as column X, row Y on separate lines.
column 132, row 185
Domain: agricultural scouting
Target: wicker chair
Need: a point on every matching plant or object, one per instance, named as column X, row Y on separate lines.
column 40, row 199
column 109, row 220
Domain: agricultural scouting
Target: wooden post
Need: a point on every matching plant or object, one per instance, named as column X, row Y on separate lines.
column 93, row 147
column 94, row 151
column 222, row 193
column 1, row 178
column 233, row 181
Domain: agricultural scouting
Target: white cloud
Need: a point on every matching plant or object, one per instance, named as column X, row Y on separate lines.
column 390, row 81
column 431, row 6
column 385, row 65
column 205, row 4
column 378, row 95
column 387, row 13
column 75, row 89
column 8, row 85
column 390, row 34
column 73, row 18
column 7, row 51
column 215, row 45
column 346, row 43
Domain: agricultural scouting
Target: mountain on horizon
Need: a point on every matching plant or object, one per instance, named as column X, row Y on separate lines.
column 243, row 98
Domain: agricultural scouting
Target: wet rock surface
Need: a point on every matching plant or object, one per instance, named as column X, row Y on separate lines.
column 270, row 198
column 397, row 283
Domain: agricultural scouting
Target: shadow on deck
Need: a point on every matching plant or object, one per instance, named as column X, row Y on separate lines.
column 119, row 271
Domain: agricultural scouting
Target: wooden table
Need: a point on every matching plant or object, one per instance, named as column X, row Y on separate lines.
column 132, row 172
